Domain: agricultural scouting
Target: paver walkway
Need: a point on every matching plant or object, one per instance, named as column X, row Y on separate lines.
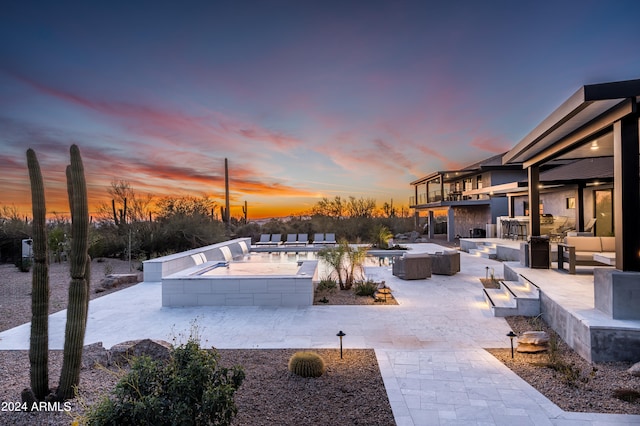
column 429, row 347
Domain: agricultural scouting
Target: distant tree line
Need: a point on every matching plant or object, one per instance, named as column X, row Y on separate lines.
column 145, row 227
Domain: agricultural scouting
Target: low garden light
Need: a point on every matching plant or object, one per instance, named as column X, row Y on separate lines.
column 340, row 335
column 511, row 335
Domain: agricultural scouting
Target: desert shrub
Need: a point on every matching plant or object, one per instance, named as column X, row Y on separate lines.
column 366, row 288
column 191, row 388
column 24, row 264
column 306, row 364
column 327, row 284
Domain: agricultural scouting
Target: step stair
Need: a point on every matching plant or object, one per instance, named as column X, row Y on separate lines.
column 485, row 250
column 520, row 297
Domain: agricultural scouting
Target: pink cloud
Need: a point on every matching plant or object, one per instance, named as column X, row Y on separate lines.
column 174, row 126
column 490, row 144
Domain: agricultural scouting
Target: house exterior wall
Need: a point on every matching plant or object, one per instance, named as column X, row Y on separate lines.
column 553, row 202
column 466, row 218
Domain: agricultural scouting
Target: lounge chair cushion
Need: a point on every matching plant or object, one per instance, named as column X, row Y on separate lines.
column 583, row 256
column 591, row 244
column 414, row 255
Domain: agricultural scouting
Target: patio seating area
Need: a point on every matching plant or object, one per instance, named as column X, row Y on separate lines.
column 586, row 251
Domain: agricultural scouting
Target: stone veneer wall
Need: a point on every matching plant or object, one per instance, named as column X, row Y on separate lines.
column 595, row 344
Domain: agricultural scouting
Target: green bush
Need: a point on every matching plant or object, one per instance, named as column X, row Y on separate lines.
column 306, row 364
column 191, row 388
column 327, row 284
column 366, row 288
column 24, row 264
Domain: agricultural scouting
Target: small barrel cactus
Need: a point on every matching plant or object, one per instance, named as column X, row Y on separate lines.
column 306, row 364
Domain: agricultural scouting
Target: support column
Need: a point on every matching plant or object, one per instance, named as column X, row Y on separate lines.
column 451, row 225
column 580, row 207
column 534, row 200
column 432, row 224
column 626, row 197
column 512, row 205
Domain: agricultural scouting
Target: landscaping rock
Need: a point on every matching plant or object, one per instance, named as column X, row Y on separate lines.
column 635, row 369
column 114, row 280
column 156, row 349
column 94, row 354
column 534, row 338
column 533, row 342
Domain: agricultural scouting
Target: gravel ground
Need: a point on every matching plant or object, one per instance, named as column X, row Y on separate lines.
column 15, row 288
column 579, row 386
column 350, row 392
column 348, row 297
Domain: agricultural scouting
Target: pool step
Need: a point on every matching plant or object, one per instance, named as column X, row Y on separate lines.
column 520, row 297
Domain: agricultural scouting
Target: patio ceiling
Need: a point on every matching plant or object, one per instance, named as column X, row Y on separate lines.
column 587, row 114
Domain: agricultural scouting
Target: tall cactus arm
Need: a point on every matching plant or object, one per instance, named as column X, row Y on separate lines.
column 39, row 343
column 78, row 289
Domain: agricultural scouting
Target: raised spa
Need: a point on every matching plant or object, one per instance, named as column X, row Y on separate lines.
column 226, row 274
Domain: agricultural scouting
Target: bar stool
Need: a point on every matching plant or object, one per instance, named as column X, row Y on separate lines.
column 521, row 230
column 506, row 226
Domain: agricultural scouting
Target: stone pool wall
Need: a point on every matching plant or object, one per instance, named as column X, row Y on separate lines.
column 244, row 290
column 156, row 269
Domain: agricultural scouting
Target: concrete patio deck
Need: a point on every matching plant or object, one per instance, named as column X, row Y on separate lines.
column 429, row 347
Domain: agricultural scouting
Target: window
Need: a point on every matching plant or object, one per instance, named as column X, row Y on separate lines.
column 571, row 202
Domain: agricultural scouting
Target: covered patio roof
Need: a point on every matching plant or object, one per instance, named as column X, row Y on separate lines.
column 594, row 111
column 591, row 109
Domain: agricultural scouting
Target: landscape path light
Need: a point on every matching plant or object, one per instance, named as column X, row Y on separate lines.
column 511, row 335
column 340, row 335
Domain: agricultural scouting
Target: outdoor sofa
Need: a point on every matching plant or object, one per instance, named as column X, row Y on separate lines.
column 580, row 251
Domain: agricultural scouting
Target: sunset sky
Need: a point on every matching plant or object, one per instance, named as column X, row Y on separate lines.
column 306, row 99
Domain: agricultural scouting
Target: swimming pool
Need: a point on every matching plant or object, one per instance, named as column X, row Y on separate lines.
column 255, row 279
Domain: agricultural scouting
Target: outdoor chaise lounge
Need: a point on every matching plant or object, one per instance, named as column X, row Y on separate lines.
column 265, row 240
column 330, row 239
column 270, row 240
column 292, row 239
column 276, row 239
column 296, row 240
column 325, row 239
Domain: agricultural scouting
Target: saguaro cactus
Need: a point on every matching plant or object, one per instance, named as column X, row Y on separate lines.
column 226, row 216
column 39, row 344
column 80, row 275
column 244, row 211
